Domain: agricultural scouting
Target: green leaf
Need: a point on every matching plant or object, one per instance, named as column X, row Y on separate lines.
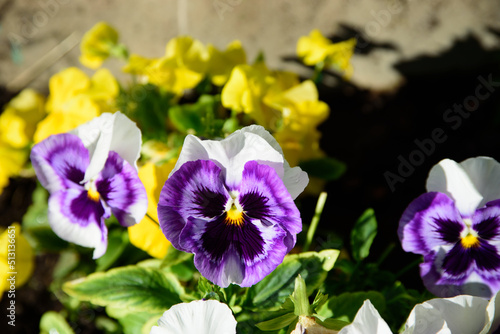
column 329, row 323
column 132, row 288
column 277, row 323
column 324, row 168
column 147, row 105
column 186, row 118
column 175, row 257
column 53, row 322
column 277, row 286
column 141, row 322
column 36, row 224
column 68, row 260
column 299, row 298
column 117, row 242
column 198, row 118
column 363, row 234
column 345, row 306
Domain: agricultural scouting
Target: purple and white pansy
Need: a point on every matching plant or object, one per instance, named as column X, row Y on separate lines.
column 456, row 227
column 91, row 173
column 230, row 202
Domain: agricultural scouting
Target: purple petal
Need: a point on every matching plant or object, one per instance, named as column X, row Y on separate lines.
column 429, row 222
column 227, row 254
column 443, row 285
column 458, row 270
column 486, row 221
column 76, row 218
column 263, row 196
column 487, row 258
column 122, row 190
column 459, row 261
column 60, row 161
column 194, row 190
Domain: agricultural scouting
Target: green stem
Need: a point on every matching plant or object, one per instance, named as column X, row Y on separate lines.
column 385, row 253
column 408, row 267
column 318, row 73
column 315, row 220
column 154, row 220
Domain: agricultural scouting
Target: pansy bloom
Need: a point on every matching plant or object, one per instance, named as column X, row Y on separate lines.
column 230, row 203
column 91, row 173
column 456, row 227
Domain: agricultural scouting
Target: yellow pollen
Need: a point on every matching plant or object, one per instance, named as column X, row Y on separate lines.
column 93, row 194
column 234, row 216
column 470, row 241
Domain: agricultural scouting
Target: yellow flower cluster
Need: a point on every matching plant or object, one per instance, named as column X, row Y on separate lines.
column 185, row 63
column 147, row 235
column 16, row 258
column 278, row 101
column 17, row 126
column 75, row 99
column 98, row 44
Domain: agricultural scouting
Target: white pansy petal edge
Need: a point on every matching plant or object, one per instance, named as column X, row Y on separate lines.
column 471, row 183
column 109, row 132
column 197, row 317
column 367, row 321
column 250, row 143
column 461, row 314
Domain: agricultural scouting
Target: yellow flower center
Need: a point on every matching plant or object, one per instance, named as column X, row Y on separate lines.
column 93, row 194
column 470, row 241
column 234, row 216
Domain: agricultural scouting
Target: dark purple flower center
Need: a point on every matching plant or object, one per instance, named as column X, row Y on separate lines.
column 471, row 244
column 232, row 229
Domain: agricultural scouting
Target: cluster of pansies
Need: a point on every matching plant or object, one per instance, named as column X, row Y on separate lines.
column 202, row 158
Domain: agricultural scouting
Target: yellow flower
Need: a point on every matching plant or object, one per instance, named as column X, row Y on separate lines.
column 98, row 44
column 299, row 146
column 12, row 162
column 300, row 107
column 138, row 65
column 147, row 235
column 20, row 117
column 221, row 63
column 316, row 48
column 75, row 99
column 183, row 66
column 16, row 257
column 245, row 90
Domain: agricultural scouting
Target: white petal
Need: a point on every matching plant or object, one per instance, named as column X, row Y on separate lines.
column 109, row 132
column 197, row 317
column 86, row 233
column 295, row 179
column 492, row 315
column 230, row 154
column 461, row 314
column 450, row 178
column 367, row 321
column 484, row 172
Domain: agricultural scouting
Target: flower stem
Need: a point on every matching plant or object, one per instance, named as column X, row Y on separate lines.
column 154, row 220
column 386, row 252
column 315, row 220
column 408, row 267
